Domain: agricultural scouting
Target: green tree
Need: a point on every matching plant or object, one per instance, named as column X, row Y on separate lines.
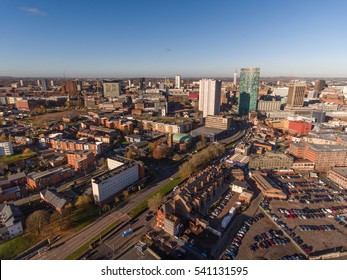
column 37, row 221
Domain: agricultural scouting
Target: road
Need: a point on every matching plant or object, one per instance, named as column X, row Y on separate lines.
column 69, row 243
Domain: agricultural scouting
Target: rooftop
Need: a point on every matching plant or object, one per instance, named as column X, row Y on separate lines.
column 341, row 171
column 52, row 197
column 110, row 173
column 328, row 148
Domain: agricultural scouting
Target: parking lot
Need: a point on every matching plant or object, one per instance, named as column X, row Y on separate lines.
column 221, row 209
column 318, row 217
column 273, row 252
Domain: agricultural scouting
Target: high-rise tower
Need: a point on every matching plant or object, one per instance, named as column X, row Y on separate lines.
column 209, row 97
column 248, row 90
column 296, row 95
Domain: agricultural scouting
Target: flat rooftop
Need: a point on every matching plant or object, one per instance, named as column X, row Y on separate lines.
column 341, row 171
column 328, row 148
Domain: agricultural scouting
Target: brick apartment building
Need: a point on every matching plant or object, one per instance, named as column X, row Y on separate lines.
column 50, row 177
column 81, row 160
column 11, row 187
column 74, row 145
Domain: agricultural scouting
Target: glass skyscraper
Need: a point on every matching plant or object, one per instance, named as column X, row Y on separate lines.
column 248, row 90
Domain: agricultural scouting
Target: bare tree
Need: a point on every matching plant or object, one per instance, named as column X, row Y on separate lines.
column 37, row 221
column 154, row 202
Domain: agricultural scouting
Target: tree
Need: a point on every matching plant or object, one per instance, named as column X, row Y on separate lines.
column 154, row 202
column 3, row 137
column 27, row 151
column 129, row 154
column 83, row 203
column 37, row 221
column 160, row 151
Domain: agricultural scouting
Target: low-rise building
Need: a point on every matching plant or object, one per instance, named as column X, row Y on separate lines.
column 270, row 161
column 268, row 187
column 81, row 160
column 11, row 187
column 339, row 176
column 53, row 198
column 11, row 221
column 303, row 165
column 246, row 196
column 48, row 178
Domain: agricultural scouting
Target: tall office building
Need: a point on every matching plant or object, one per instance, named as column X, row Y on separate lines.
column 112, row 89
column 209, row 97
column 142, row 84
column 178, row 81
column 319, row 85
column 44, row 84
column 296, row 95
column 235, row 77
column 69, row 86
column 248, row 90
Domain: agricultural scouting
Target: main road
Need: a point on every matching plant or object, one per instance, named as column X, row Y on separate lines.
column 71, row 242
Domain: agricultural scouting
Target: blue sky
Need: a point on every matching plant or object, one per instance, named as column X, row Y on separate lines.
column 158, row 38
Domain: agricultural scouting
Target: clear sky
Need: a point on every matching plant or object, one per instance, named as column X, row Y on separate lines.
column 160, row 38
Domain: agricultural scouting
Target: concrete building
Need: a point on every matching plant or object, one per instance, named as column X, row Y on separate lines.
column 248, row 90
column 167, row 127
column 319, row 116
column 220, row 122
column 296, row 95
column 122, row 174
column 44, row 85
column 112, row 88
column 6, row 149
column 178, row 81
column 339, row 176
column 319, row 85
column 266, row 106
column 209, row 97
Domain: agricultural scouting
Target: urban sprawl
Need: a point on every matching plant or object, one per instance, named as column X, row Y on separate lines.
column 245, row 167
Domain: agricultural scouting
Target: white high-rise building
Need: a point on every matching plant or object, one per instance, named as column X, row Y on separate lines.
column 6, row 149
column 209, row 97
column 178, row 81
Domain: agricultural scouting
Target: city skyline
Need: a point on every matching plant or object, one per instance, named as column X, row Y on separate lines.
column 82, row 39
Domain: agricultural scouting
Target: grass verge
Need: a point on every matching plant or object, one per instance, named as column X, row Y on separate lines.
column 85, row 247
column 15, row 246
column 14, row 158
column 163, row 190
